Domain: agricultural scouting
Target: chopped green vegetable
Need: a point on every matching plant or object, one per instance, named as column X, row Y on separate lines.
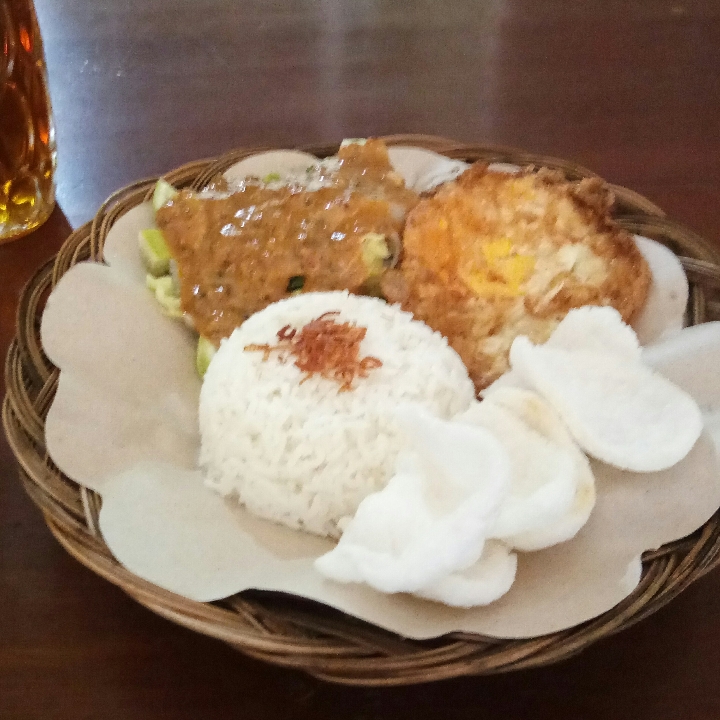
column 353, row 141
column 375, row 252
column 295, row 283
column 205, row 352
column 175, row 275
column 164, row 290
column 154, row 251
column 163, row 283
column 272, row 177
column 163, row 193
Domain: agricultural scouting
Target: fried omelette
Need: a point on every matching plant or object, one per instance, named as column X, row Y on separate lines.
column 492, row 256
column 238, row 249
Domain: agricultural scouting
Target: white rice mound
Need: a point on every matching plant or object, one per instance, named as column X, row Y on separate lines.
column 305, row 455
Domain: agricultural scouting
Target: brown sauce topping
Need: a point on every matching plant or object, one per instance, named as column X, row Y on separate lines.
column 238, row 252
column 324, row 347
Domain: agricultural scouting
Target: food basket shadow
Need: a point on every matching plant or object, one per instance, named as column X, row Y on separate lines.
column 298, row 633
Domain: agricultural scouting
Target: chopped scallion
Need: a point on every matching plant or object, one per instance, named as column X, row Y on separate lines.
column 295, row 283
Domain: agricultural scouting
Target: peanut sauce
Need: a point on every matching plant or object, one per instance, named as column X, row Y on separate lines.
column 238, row 249
column 324, row 347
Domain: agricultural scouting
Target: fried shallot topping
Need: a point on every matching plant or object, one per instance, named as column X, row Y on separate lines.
column 325, row 347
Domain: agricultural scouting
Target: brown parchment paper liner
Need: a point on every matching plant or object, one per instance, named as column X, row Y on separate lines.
column 123, row 423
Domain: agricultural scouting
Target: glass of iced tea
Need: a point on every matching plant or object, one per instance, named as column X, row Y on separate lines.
column 27, row 135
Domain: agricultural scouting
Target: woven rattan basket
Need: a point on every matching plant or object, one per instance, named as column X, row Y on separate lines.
column 285, row 630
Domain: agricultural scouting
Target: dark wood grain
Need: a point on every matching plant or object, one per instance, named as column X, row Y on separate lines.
column 629, row 89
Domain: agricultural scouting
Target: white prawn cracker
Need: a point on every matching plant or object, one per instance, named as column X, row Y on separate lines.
column 542, row 478
column 663, row 314
column 596, row 329
column 432, row 518
column 618, row 411
column 554, row 588
column 273, row 163
column 481, row 584
column 554, row 487
column 424, row 170
column 466, row 492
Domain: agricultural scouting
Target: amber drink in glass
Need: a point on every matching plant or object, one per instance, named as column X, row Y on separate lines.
column 27, row 135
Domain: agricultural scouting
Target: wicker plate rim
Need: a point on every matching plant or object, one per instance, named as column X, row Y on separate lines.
column 301, row 634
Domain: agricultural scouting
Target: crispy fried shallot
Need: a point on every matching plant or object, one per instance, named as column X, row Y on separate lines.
column 325, row 347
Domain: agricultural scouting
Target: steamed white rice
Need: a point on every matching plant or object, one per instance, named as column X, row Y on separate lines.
column 305, row 455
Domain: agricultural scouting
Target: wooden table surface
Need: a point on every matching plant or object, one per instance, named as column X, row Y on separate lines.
column 629, row 89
